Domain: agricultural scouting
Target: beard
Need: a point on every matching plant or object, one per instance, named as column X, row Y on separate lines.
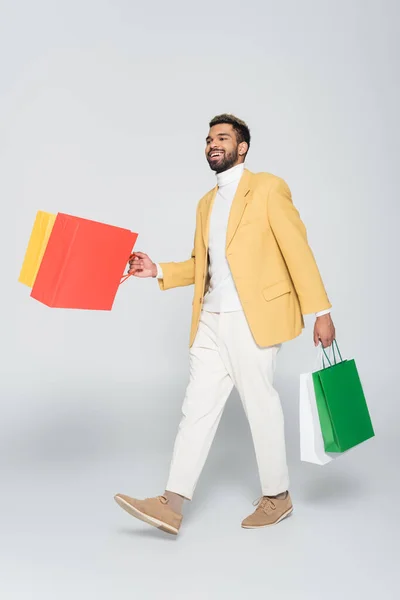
column 225, row 162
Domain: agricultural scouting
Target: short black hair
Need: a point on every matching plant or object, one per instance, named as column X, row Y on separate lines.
column 241, row 129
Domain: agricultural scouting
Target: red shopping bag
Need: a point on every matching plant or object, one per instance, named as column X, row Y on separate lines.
column 82, row 264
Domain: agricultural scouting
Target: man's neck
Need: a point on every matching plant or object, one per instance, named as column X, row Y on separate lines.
column 230, row 175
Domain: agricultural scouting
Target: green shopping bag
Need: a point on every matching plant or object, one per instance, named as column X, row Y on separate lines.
column 342, row 409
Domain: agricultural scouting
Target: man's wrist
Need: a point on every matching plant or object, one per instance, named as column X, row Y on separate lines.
column 323, row 313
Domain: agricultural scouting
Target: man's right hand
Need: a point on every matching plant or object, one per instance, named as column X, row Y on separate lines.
column 140, row 265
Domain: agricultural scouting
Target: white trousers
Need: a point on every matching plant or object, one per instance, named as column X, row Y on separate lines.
column 224, row 354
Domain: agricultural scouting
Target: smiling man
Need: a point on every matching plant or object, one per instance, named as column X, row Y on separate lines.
column 254, row 278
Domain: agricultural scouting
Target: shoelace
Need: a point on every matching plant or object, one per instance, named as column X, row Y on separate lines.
column 162, row 499
column 265, row 503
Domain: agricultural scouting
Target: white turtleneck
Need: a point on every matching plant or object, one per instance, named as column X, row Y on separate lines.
column 222, row 295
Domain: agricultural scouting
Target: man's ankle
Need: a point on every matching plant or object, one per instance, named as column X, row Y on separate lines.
column 280, row 496
column 175, row 501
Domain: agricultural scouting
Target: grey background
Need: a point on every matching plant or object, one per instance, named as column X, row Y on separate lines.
column 104, row 108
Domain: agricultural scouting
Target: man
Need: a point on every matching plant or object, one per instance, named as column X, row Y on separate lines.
column 254, row 278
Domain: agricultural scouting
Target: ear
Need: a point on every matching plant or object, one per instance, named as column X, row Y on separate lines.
column 243, row 147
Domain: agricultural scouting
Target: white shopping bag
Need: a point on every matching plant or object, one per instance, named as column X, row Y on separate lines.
column 311, row 441
column 312, row 447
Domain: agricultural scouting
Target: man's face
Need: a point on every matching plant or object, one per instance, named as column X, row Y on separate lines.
column 222, row 151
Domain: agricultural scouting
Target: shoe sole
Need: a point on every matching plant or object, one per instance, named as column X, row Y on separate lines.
column 145, row 518
column 286, row 514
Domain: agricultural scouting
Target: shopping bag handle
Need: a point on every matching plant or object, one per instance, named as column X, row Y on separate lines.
column 125, row 277
column 334, row 343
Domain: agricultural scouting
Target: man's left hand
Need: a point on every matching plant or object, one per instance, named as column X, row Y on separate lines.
column 324, row 331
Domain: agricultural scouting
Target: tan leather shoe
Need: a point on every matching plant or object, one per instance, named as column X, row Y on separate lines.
column 154, row 511
column 269, row 512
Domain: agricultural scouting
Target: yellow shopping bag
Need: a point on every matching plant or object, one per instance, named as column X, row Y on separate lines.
column 37, row 245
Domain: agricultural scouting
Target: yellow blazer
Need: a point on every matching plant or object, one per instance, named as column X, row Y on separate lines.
column 272, row 265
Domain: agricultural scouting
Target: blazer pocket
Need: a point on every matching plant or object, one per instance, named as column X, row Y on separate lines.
column 276, row 289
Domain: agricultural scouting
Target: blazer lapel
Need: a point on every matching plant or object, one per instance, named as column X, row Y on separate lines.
column 206, row 213
column 239, row 202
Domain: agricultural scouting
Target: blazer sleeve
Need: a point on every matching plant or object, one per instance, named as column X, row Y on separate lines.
column 291, row 236
column 176, row 274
